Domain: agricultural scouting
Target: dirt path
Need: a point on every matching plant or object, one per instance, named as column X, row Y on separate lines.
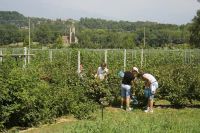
column 63, row 119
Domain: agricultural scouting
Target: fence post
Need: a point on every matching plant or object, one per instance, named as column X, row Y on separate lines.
column 105, row 59
column 124, row 59
column 50, row 55
column 185, row 57
column 28, row 55
column 145, row 57
column 190, row 56
column 79, row 62
column 25, row 54
column 135, row 54
column 70, row 53
column 142, row 54
column 132, row 57
column 1, row 58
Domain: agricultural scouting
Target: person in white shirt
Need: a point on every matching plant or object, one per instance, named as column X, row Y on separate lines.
column 102, row 72
column 151, row 85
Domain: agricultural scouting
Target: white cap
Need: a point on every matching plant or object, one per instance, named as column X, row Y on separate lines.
column 135, row 69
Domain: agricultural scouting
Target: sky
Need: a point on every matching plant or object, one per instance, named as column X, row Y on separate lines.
column 161, row 11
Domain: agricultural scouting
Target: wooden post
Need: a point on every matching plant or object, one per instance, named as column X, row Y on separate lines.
column 29, row 33
column 79, row 62
column 142, row 56
column 132, row 57
column 124, row 59
column 135, row 55
column 28, row 56
column 1, row 58
column 145, row 60
column 70, row 35
column 190, row 57
column 25, row 54
column 70, row 59
column 105, row 59
column 144, row 38
column 141, row 61
column 50, row 55
column 185, row 60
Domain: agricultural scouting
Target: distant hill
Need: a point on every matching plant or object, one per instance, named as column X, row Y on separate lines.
column 13, row 17
column 19, row 20
column 93, row 23
column 91, row 32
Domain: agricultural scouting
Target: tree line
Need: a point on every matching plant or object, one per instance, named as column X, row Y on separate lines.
column 97, row 33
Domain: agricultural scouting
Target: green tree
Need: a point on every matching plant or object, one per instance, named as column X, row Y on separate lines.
column 195, row 30
column 9, row 34
column 59, row 42
column 43, row 34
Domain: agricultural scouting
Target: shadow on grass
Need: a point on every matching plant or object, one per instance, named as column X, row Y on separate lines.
column 142, row 105
column 177, row 106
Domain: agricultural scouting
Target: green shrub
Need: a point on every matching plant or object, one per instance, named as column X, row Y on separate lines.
column 45, row 90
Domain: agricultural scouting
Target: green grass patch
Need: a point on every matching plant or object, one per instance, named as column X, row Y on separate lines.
column 116, row 120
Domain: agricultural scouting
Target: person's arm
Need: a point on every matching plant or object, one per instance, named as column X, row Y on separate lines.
column 147, row 82
column 107, row 71
column 97, row 73
column 134, row 82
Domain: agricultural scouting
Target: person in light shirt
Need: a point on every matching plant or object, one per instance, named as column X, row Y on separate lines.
column 102, row 72
column 151, row 85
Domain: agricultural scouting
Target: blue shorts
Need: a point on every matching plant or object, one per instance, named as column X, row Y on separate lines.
column 125, row 90
column 148, row 94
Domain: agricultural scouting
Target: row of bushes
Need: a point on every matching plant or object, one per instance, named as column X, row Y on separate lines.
column 30, row 96
column 180, row 85
column 41, row 92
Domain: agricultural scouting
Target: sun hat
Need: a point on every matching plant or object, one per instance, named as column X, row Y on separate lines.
column 135, row 69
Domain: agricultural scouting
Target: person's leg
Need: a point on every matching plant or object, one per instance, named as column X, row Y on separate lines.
column 127, row 101
column 148, row 94
column 153, row 88
column 151, row 105
column 128, row 89
column 122, row 95
column 122, row 102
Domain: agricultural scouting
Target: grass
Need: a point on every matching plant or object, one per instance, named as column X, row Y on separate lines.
column 116, row 120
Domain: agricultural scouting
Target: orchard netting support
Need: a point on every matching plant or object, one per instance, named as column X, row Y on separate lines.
column 124, row 59
column 1, row 58
column 25, row 57
column 116, row 59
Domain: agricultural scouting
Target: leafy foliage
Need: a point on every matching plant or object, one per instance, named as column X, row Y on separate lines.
column 47, row 89
column 92, row 33
column 195, row 30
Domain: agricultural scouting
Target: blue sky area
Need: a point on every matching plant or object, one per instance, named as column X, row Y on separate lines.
column 161, row 11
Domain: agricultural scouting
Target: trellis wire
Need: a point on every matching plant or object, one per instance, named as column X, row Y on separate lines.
column 186, row 56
